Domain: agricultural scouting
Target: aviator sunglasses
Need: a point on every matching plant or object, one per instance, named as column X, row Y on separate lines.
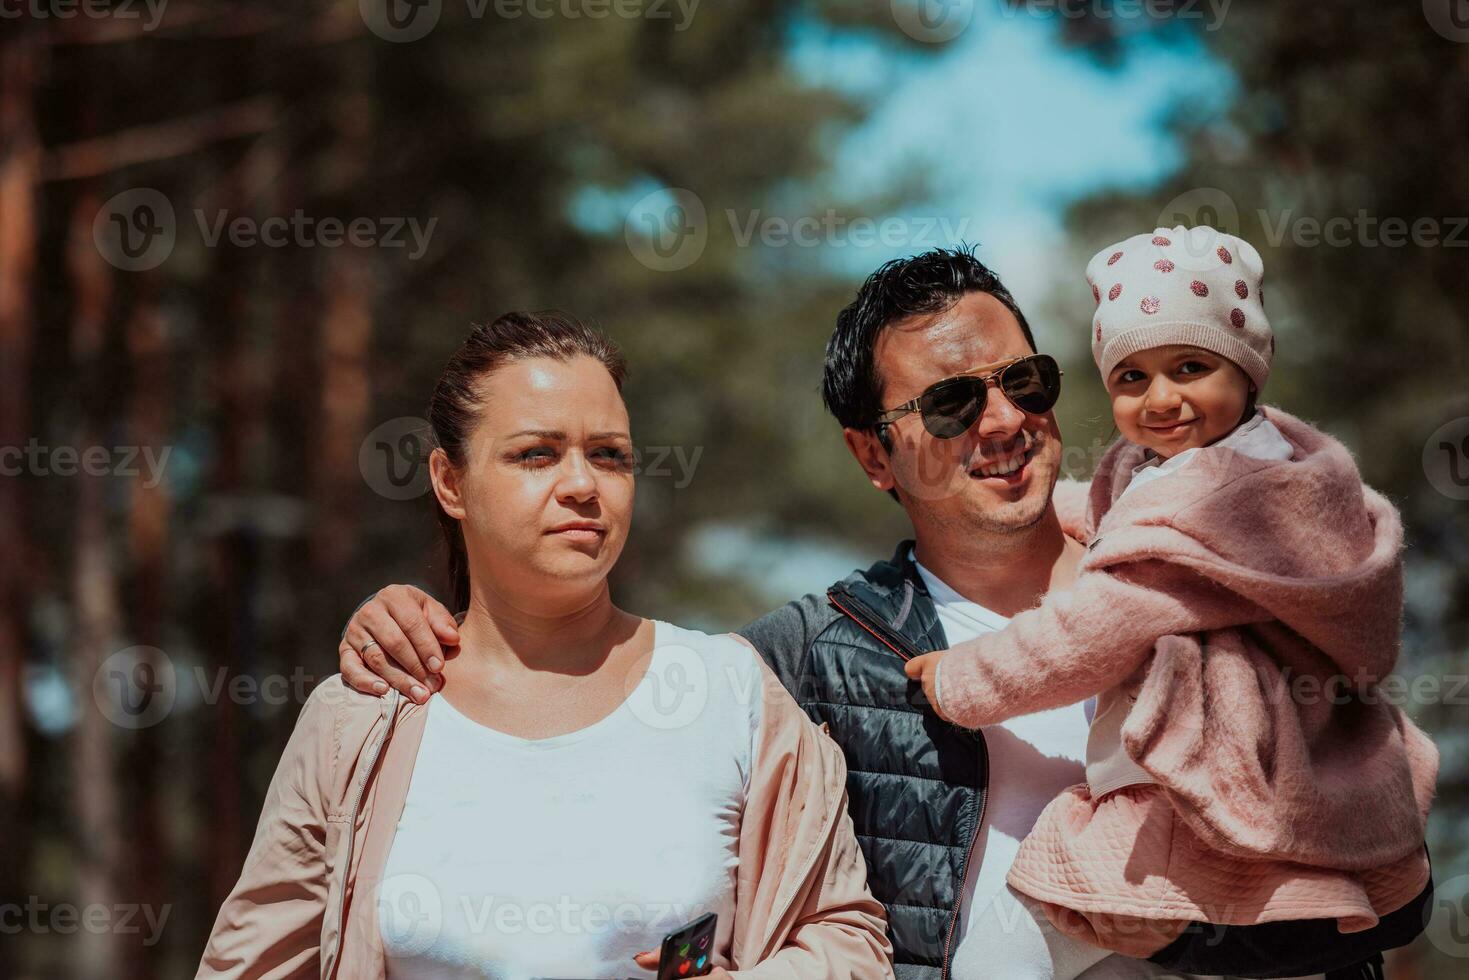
column 949, row 407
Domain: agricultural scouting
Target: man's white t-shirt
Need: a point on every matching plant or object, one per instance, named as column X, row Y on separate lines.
column 1032, row 758
column 562, row 857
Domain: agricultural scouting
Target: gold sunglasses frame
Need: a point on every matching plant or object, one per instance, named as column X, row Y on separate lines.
column 909, row 407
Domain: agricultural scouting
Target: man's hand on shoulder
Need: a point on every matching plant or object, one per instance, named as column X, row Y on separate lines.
column 400, row 637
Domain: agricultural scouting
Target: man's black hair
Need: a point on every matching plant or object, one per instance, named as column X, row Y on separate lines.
column 921, row 284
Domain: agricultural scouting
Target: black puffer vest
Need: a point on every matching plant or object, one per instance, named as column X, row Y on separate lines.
column 916, row 783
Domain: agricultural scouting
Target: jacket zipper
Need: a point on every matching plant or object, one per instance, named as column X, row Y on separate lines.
column 865, row 618
column 984, row 798
column 390, row 717
column 873, row 624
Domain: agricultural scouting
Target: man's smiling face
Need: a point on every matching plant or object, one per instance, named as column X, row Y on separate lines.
column 971, row 481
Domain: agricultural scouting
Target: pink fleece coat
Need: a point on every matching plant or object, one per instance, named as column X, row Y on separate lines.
column 1230, row 596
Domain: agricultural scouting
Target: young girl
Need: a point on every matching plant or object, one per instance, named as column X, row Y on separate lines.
column 1239, row 603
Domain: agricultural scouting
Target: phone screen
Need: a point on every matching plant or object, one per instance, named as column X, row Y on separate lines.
column 689, row 951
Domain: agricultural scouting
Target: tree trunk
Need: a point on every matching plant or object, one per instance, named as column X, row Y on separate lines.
column 346, row 336
column 148, row 548
column 20, row 159
column 98, row 625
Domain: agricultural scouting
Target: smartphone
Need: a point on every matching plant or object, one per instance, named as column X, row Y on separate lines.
column 689, row 951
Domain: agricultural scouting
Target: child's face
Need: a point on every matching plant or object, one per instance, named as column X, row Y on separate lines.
column 1173, row 398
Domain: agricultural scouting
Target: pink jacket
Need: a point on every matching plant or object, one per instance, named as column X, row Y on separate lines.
column 305, row 902
column 1232, row 593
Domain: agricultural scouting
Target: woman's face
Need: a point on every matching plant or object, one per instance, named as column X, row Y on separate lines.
column 546, row 493
column 1173, row 398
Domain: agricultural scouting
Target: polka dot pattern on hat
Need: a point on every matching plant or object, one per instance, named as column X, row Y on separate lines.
column 1192, row 286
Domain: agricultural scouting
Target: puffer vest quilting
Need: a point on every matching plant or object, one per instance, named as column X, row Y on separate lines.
column 916, row 782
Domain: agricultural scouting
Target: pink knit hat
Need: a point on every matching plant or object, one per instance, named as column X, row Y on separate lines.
column 1181, row 285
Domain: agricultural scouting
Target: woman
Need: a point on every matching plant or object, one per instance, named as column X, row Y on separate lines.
column 588, row 781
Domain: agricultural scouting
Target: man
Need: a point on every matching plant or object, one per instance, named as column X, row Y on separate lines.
column 939, row 810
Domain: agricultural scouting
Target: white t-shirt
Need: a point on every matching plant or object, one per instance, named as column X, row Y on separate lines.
column 562, row 857
column 1032, row 758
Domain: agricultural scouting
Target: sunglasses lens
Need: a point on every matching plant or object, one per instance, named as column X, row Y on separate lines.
column 1033, row 384
column 951, row 408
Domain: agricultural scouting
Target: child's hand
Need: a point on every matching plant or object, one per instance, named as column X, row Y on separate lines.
column 923, row 668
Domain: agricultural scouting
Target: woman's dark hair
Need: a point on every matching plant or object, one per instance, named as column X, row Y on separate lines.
column 454, row 409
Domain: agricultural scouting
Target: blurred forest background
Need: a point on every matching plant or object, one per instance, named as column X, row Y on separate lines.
column 579, row 162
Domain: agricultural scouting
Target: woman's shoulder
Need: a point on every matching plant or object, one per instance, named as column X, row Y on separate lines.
column 716, row 646
column 335, row 698
column 335, row 726
column 727, row 667
column 729, row 662
column 738, row 678
column 733, row 666
column 337, row 714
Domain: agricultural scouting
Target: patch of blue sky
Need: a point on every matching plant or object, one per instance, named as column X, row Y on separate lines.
column 1008, row 127
column 1005, row 125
